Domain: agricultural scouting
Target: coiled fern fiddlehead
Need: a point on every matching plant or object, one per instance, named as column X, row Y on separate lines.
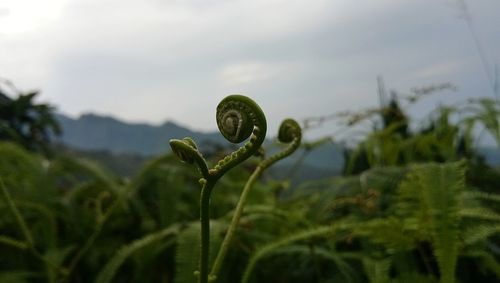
column 290, row 133
column 238, row 118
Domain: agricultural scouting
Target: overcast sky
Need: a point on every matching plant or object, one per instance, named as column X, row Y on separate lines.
column 158, row 60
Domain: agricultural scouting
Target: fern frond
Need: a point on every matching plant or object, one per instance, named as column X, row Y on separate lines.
column 8, row 241
column 82, row 168
column 271, row 247
column 390, row 232
column 482, row 195
column 109, row 270
column 377, row 270
column 347, row 271
column 22, row 172
column 480, row 233
column 479, row 213
column 437, row 189
column 256, row 212
column 188, row 252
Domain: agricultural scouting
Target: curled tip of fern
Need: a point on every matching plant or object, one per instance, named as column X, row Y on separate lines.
column 289, row 131
column 184, row 149
column 187, row 151
column 238, row 117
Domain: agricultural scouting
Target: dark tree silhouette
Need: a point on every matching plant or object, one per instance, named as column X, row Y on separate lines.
column 27, row 123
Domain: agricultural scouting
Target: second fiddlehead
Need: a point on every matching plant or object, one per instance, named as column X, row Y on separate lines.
column 187, row 151
column 290, row 133
column 238, row 118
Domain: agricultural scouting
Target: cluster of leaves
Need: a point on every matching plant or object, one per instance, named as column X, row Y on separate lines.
column 415, row 214
column 449, row 133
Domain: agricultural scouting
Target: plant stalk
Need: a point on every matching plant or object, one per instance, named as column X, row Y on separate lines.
column 205, row 229
column 234, row 222
column 25, row 230
column 19, row 219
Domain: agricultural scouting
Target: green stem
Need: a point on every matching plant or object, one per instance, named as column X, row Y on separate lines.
column 93, row 237
column 205, row 229
column 234, row 222
column 24, row 229
column 88, row 244
column 19, row 219
column 13, row 243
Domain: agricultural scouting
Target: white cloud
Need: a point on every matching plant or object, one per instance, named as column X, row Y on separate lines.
column 239, row 74
column 24, row 16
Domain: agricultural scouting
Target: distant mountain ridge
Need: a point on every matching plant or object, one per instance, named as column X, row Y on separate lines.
column 91, row 132
column 101, row 135
column 95, row 132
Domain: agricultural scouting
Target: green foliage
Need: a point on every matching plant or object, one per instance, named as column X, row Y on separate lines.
column 187, row 256
column 436, row 190
column 16, row 277
column 447, row 134
column 27, row 123
column 107, row 273
column 21, row 171
column 420, row 211
column 424, row 213
column 269, row 248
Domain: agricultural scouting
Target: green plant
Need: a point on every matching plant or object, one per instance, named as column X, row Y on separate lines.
column 238, row 118
column 29, row 242
column 395, row 222
column 289, row 132
column 270, row 247
column 114, row 264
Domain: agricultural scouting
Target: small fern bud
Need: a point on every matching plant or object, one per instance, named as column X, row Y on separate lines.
column 289, row 130
column 187, row 151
